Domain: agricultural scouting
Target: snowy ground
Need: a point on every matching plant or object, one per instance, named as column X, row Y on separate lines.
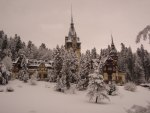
column 42, row 98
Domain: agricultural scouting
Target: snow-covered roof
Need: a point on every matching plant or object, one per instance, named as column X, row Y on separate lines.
column 14, row 62
column 48, row 65
column 72, row 31
column 37, row 65
column 69, row 39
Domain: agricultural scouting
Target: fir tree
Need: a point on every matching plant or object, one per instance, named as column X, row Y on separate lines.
column 93, row 53
column 84, row 72
column 139, row 71
column 5, row 43
column 143, row 34
column 58, row 62
column 97, row 88
column 18, row 43
column 69, row 71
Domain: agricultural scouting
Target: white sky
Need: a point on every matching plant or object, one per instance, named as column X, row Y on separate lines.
column 48, row 21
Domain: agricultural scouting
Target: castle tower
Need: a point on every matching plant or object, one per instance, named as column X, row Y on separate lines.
column 110, row 68
column 72, row 41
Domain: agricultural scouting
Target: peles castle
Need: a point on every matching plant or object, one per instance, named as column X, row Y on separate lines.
column 108, row 65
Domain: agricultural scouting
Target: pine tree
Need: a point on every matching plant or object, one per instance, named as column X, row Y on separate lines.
column 42, row 46
column 93, row 53
column 139, row 71
column 97, row 88
column 84, row 72
column 32, row 51
column 58, row 62
column 69, row 71
column 18, row 43
column 122, row 58
column 129, row 65
column 143, row 34
column 5, row 43
column 70, row 66
column 145, row 61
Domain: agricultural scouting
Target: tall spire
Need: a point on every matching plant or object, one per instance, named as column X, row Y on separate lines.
column 71, row 15
column 113, row 50
column 72, row 29
column 112, row 42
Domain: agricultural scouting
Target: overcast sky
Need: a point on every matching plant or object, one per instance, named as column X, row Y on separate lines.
column 48, row 21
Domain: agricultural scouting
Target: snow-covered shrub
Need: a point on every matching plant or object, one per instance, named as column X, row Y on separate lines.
column 9, row 89
column 139, row 109
column 61, row 84
column 130, row 86
column 7, row 62
column 97, row 89
column 3, row 74
column 2, row 79
column 25, row 77
column 33, row 80
column 72, row 89
column 82, row 84
column 112, row 89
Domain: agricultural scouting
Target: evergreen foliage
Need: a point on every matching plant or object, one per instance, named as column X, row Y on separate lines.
column 97, row 89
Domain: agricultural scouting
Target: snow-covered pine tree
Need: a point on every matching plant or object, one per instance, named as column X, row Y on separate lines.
column 61, row 85
column 144, row 34
column 31, row 51
column 88, row 61
column 126, row 62
column 70, row 66
column 97, row 88
column 84, row 79
column 18, row 43
column 69, row 72
column 122, row 58
column 5, row 43
column 93, row 53
column 112, row 89
column 85, row 70
column 145, row 59
column 129, row 65
column 139, row 71
column 58, row 62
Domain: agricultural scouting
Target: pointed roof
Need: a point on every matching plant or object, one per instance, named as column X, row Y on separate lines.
column 72, row 31
column 113, row 48
column 112, row 42
column 71, row 15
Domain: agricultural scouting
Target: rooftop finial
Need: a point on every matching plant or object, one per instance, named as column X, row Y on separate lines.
column 112, row 40
column 71, row 15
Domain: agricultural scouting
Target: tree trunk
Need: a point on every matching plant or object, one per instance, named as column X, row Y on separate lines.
column 96, row 99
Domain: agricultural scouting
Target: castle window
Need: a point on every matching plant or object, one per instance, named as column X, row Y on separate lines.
column 78, row 46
